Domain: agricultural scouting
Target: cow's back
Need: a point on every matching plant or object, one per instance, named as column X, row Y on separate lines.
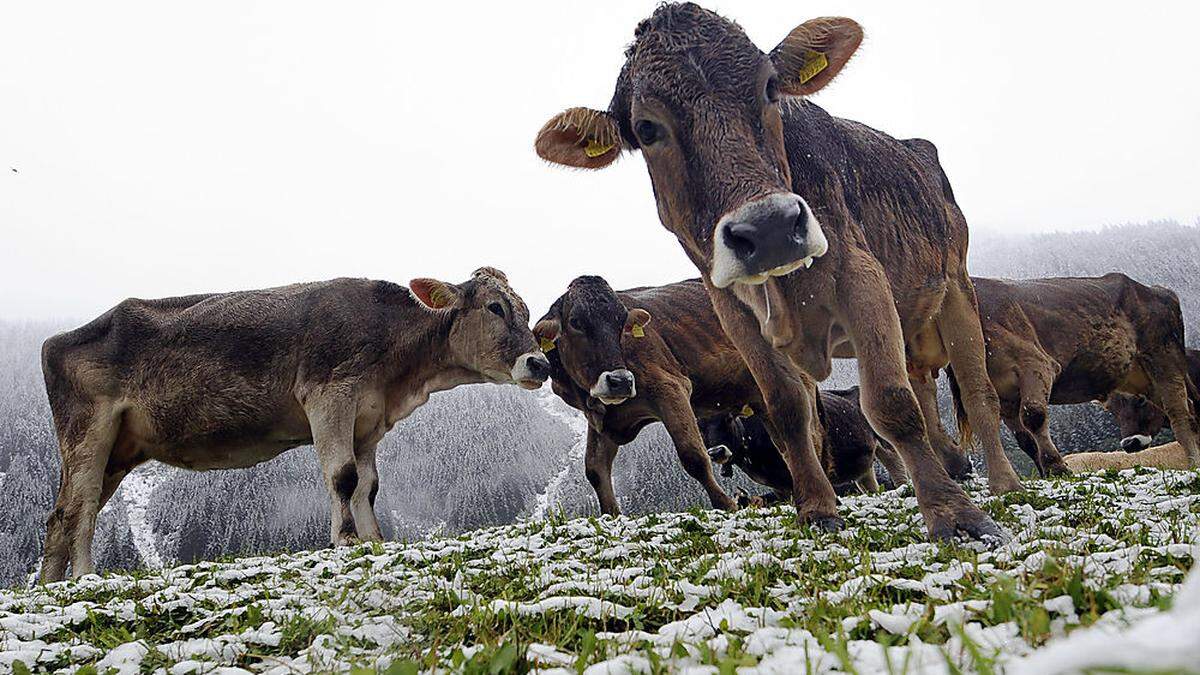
column 682, row 314
column 894, row 190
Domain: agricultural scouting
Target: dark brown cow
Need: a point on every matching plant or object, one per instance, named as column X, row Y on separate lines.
column 849, row 447
column 1140, row 420
column 233, row 379
column 1074, row 340
column 815, row 236
column 631, row 358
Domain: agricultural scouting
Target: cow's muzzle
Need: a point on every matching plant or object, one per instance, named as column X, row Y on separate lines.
column 531, row 370
column 614, row 387
column 1136, row 442
column 720, row 454
column 768, row 237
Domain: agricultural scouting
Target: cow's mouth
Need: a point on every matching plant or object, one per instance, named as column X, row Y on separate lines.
column 720, row 454
column 782, row 270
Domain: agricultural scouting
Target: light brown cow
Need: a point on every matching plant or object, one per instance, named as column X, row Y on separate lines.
column 1079, row 339
column 1168, row 456
column 233, row 379
column 815, row 236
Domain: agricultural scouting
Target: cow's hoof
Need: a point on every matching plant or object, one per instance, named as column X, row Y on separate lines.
column 1004, row 484
column 1058, row 468
column 969, row 521
column 825, row 523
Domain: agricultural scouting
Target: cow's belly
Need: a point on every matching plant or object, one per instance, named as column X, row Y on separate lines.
column 235, row 455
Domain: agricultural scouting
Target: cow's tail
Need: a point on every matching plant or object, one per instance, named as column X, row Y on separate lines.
column 960, row 413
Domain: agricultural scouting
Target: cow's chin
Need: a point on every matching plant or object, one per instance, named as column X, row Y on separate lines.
column 612, row 400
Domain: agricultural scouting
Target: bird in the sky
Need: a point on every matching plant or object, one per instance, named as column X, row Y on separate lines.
column 14, row 170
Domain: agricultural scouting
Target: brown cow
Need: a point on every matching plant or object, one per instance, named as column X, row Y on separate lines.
column 815, row 236
column 623, row 374
column 1140, row 420
column 233, row 379
column 849, row 447
column 1079, row 339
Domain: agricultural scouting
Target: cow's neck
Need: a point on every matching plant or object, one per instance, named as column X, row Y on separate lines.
column 422, row 364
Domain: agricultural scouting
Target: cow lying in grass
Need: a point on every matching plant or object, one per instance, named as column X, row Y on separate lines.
column 1140, row 420
column 1167, row 456
column 233, row 379
column 848, row 447
column 1079, row 339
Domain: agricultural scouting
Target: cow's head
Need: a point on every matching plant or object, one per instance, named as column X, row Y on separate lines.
column 701, row 102
column 585, row 326
column 489, row 327
column 1137, row 418
column 725, row 437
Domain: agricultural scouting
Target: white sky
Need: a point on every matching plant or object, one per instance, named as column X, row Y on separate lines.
column 164, row 149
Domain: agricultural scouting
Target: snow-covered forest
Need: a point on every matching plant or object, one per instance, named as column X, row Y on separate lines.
column 474, row 456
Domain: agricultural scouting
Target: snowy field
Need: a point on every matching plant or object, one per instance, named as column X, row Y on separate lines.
column 1093, row 577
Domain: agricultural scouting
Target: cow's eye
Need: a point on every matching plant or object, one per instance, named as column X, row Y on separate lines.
column 497, row 309
column 575, row 324
column 647, row 132
column 771, row 90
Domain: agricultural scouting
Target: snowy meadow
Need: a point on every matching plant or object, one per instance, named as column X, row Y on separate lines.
column 500, row 561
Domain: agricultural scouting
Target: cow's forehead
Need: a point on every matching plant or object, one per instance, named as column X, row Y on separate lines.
column 502, row 287
column 683, row 52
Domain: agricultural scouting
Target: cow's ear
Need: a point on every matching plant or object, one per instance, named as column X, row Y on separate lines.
column 636, row 320
column 814, row 53
column 580, row 137
column 546, row 332
column 435, row 294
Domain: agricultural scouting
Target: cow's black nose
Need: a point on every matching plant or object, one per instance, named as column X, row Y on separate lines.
column 539, row 368
column 619, row 381
column 769, row 237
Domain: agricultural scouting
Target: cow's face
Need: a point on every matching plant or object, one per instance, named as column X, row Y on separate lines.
column 585, row 326
column 1137, row 418
column 725, row 438
column 701, row 102
column 489, row 327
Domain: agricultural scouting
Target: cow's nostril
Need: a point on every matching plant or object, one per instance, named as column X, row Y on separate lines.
column 538, row 368
column 739, row 238
column 800, row 227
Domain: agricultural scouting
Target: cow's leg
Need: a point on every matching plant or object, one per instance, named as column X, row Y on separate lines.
column 680, row 421
column 331, row 417
column 891, row 407
column 597, row 463
column 892, row 461
column 1171, row 388
column 79, row 498
column 953, row 458
column 1035, row 406
column 362, row 502
column 868, row 482
column 962, row 336
column 1010, row 414
column 790, row 400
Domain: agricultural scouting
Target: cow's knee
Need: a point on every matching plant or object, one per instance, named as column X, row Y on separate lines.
column 895, row 413
column 1033, row 416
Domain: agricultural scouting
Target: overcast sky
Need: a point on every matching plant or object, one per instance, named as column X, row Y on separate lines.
column 163, row 148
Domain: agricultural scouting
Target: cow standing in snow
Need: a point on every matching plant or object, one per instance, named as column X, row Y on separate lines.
column 229, row 380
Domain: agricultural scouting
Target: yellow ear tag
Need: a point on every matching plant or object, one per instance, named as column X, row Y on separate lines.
column 814, row 62
column 747, row 411
column 595, row 148
column 546, row 345
column 638, row 331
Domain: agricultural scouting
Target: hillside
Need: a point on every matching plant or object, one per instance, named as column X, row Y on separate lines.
column 1092, row 576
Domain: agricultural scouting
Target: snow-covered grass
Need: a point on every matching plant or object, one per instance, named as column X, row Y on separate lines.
column 1088, row 580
